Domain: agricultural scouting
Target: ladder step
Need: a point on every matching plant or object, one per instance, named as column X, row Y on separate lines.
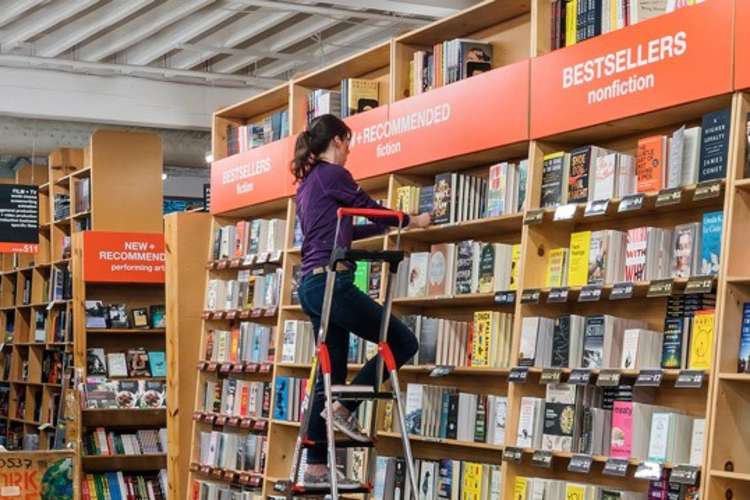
column 301, row 490
column 358, row 396
column 340, row 443
column 351, row 388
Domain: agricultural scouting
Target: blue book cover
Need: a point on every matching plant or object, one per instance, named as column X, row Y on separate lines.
column 158, row 364
column 445, row 478
column 714, row 145
column 444, row 404
column 744, row 357
column 671, row 353
column 711, row 242
column 282, row 396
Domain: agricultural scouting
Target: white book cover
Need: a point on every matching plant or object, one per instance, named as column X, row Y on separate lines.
column 417, row 280
column 529, row 332
column 413, row 411
column 676, row 155
column 528, row 422
column 500, row 414
column 697, row 441
column 658, row 447
column 626, row 178
column 605, row 177
column 691, row 155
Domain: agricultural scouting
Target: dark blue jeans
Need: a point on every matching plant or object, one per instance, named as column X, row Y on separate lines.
column 351, row 311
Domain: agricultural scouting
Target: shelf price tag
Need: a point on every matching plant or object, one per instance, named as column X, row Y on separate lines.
column 531, row 296
column 616, row 467
column 533, row 217
column 670, row 196
column 590, row 293
column 505, row 298
column 262, row 258
column 660, row 288
column 441, row 371
column 275, row 256
column 557, row 294
column 542, row 458
column 649, row 378
column 621, row 291
column 222, row 264
column 608, row 378
column 580, row 464
column 579, row 376
column 631, row 203
column 235, row 263
column 518, row 375
column 249, row 260
column 596, row 207
column 690, row 379
column 512, row 454
column 700, row 284
column 707, row 189
column 565, row 212
column 650, row 471
column 685, row 474
column 550, row 376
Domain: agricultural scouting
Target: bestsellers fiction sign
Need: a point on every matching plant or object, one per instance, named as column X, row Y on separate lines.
column 123, row 257
column 665, row 61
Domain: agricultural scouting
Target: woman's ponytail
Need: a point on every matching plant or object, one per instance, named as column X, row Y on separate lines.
column 314, row 141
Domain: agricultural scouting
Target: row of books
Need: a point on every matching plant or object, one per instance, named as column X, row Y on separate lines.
column 444, row 479
column 237, row 398
column 62, row 284
column 449, row 62
column 444, row 412
column 590, row 173
column 82, row 189
column 639, row 254
column 604, row 341
column 101, row 315
column 100, row 392
column 459, row 268
column 136, row 362
column 233, row 451
column 531, row 488
column 299, row 343
column 367, row 277
column 247, row 342
column 245, row 238
column 618, row 422
column 61, row 207
column 245, row 137
column 483, row 342
column 143, row 441
column 248, row 291
column 358, row 95
column 211, row 490
column 135, row 486
column 289, row 395
column 578, row 20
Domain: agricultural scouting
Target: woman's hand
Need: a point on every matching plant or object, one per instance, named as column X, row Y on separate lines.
column 421, row 220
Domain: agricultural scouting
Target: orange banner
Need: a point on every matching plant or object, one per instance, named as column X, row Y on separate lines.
column 255, row 176
column 742, row 45
column 665, row 61
column 479, row 113
column 19, row 247
column 123, row 257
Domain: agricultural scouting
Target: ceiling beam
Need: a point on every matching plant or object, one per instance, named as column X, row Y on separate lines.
column 203, row 48
column 140, row 28
column 229, row 36
column 286, row 6
column 277, row 42
column 60, row 40
column 406, row 7
column 41, row 20
column 14, row 8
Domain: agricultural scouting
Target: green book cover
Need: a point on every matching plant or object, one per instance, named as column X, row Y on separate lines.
column 361, row 275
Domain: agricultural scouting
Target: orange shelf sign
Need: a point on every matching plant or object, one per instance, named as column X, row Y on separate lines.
column 479, row 113
column 255, row 176
column 110, row 257
column 662, row 62
column 742, row 45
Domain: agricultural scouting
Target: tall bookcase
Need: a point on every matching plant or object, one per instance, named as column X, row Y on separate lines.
column 527, row 70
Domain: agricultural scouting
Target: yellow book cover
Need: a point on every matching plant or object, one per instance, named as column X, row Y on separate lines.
column 701, row 340
column 612, row 15
column 363, row 95
column 575, row 491
column 556, row 267
column 515, row 256
column 411, row 77
column 578, row 261
column 519, row 488
column 480, row 343
column 571, row 9
column 403, row 201
column 472, row 487
column 234, row 349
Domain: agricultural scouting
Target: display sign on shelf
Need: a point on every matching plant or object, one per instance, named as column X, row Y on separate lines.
column 110, row 257
column 742, row 45
column 37, row 475
column 258, row 175
column 19, row 218
column 639, row 69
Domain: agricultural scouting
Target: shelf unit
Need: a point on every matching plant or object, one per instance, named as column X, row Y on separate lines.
column 520, row 30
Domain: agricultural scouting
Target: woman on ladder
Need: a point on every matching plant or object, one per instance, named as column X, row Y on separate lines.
column 324, row 185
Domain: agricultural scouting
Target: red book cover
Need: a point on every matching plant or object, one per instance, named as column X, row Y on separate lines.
column 234, row 349
column 239, row 238
column 635, row 254
column 245, row 400
column 622, row 429
column 649, row 166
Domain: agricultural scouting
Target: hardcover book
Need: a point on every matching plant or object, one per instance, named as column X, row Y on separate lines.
column 464, row 267
column 635, row 254
column 578, row 268
column 593, row 342
column 650, row 163
column 418, row 265
column 553, row 179
column 557, row 267
column 743, row 365
column 157, row 363
column 701, row 340
column 486, row 271
column 598, row 257
column 578, row 178
column 138, row 362
column 684, row 250
column 714, row 145
column 444, row 198
column 442, row 257
column 711, row 242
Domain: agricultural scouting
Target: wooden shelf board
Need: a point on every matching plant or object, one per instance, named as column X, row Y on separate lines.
column 469, row 299
column 667, row 374
column 82, row 214
column 292, row 307
column 123, row 416
column 465, row 230
column 258, row 104
column 144, row 462
column 125, row 331
column 640, row 290
column 285, row 423
column 82, row 172
column 738, row 280
column 735, row 377
column 742, row 184
column 371, row 243
column 735, row 476
column 354, row 66
column 442, row 442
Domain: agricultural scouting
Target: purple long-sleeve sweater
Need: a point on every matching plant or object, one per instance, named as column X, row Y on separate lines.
column 326, row 188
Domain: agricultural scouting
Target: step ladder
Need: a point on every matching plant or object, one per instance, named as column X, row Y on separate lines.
column 332, row 393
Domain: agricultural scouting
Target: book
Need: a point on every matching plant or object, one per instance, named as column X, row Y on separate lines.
column 598, row 257
column 157, row 363
column 444, row 198
column 557, row 267
column 554, row 180
column 578, row 177
column 714, row 145
column 743, row 362
column 559, row 417
column 593, row 341
column 650, row 159
column 138, row 362
column 96, row 316
column 440, row 275
column 701, row 340
column 96, row 363
column 711, row 242
column 530, row 423
column 635, row 254
column 139, row 317
column 464, row 268
column 426, row 199
column 685, row 250
column 117, row 315
column 578, row 264
column 697, row 440
column 157, row 313
column 361, row 95
column 116, row 364
column 418, row 270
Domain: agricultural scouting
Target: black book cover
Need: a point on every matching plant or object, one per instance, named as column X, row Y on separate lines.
column 442, row 204
column 593, row 342
column 561, row 342
column 480, row 429
column 714, row 145
column 452, row 427
column 426, row 199
column 671, row 353
column 578, row 178
column 552, row 177
column 428, row 338
column 464, row 262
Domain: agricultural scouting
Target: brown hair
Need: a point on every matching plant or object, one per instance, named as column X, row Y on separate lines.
column 314, row 141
